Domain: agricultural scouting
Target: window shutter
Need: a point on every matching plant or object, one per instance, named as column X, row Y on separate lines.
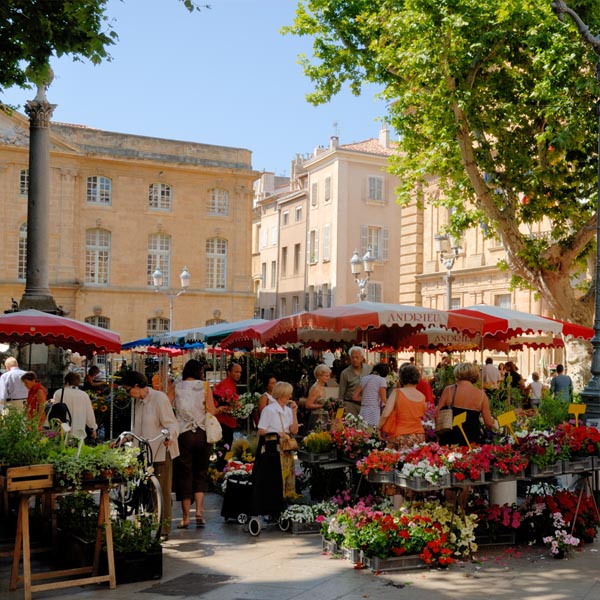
column 385, row 236
column 364, row 239
column 316, row 245
column 326, row 242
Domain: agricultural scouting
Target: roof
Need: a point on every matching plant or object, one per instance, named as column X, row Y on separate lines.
column 370, row 146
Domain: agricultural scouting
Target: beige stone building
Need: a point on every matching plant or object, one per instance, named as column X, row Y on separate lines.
column 122, row 206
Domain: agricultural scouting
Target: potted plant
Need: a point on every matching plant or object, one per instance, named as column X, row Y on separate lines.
column 561, row 542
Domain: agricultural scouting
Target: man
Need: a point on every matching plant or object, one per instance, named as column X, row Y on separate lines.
column 225, row 394
column 12, row 389
column 79, row 405
column 152, row 412
column 490, row 374
column 562, row 385
column 350, row 380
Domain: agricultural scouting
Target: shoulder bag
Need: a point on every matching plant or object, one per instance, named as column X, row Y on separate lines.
column 214, row 433
column 389, row 426
column 443, row 421
column 59, row 411
column 287, row 443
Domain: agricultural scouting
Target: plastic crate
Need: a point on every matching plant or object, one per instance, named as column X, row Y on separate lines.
column 352, row 554
column 541, row 472
column 487, row 540
column 578, row 465
column 312, row 457
column 305, row 528
column 393, row 563
column 495, row 475
column 467, row 481
column 381, row 476
column 329, row 546
column 420, row 484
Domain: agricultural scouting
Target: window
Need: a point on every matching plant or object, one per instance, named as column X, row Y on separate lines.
column 326, row 242
column 327, row 189
column 454, row 303
column 263, row 238
column 274, row 236
column 22, row 252
column 263, row 275
column 375, row 193
column 99, row 190
column 502, row 301
column 160, row 196
column 156, row 326
column 98, row 321
column 273, row 273
column 377, row 238
column 256, row 240
column 314, row 193
column 326, row 296
column 295, row 304
column 284, row 254
column 24, row 182
column 298, row 213
column 219, row 203
column 216, row 264
column 374, row 292
column 313, row 247
column 97, row 256
column 159, row 256
column 297, row 254
column 283, row 307
column 286, row 217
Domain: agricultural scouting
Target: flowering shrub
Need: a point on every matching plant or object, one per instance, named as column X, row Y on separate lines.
column 378, row 460
column 243, row 405
column 561, row 540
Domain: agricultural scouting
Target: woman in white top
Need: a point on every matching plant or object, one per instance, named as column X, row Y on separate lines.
column 267, row 398
column 79, row 404
column 373, row 389
column 535, row 389
column 193, row 397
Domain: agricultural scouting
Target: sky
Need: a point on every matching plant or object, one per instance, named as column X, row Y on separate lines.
column 223, row 76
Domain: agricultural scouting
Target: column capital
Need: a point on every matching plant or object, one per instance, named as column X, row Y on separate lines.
column 39, row 113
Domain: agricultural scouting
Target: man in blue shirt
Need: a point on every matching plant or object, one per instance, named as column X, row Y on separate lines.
column 562, row 385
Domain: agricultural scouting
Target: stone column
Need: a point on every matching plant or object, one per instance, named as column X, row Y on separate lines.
column 37, row 291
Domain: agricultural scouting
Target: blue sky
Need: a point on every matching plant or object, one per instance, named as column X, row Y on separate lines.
column 223, row 76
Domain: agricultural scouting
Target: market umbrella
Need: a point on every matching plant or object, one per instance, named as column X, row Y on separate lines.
column 504, row 324
column 37, row 327
column 372, row 322
column 209, row 334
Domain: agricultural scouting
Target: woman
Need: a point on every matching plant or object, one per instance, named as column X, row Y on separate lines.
column 193, row 398
column 267, row 397
column 280, row 417
column 373, row 390
column 79, row 404
column 90, row 384
column 403, row 415
column 465, row 398
column 317, row 396
column 36, row 397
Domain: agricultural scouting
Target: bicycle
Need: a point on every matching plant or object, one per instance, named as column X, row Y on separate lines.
column 140, row 498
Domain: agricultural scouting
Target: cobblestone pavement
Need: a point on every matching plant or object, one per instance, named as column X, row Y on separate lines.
column 222, row 562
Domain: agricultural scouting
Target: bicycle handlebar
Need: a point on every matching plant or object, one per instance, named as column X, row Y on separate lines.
column 165, row 433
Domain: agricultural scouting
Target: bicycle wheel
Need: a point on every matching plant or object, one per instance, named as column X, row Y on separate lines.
column 147, row 504
column 121, row 500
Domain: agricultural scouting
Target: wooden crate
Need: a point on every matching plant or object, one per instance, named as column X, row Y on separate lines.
column 33, row 477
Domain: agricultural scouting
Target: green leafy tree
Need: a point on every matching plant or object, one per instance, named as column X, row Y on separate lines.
column 34, row 31
column 494, row 98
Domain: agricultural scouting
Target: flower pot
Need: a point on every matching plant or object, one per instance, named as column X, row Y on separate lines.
column 305, row 528
column 559, row 555
column 392, row 563
column 131, row 567
column 352, row 555
column 329, row 546
column 503, row 492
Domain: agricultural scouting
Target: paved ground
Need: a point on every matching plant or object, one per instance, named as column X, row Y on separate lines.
column 221, row 562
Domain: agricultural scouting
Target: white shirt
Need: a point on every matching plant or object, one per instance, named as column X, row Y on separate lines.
column 273, row 415
column 80, row 407
column 11, row 386
column 190, row 405
column 490, row 375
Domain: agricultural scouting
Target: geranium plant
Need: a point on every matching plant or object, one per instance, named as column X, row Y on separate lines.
column 379, row 460
column 582, row 440
column 426, row 461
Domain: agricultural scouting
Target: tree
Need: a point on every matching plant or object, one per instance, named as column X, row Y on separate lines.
column 33, row 31
column 495, row 98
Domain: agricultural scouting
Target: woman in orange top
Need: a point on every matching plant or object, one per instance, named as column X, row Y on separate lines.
column 36, row 397
column 409, row 407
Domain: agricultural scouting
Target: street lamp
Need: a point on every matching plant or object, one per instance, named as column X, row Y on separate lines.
column 368, row 266
column 591, row 394
column 449, row 249
column 158, row 280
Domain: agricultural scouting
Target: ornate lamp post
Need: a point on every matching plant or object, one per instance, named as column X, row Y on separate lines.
column 591, row 394
column 158, row 280
column 368, row 266
column 448, row 258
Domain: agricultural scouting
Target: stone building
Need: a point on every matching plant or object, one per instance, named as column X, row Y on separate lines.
column 122, row 206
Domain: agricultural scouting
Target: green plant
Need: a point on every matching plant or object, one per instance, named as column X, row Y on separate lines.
column 21, row 442
column 135, row 535
column 551, row 413
column 318, row 442
column 77, row 514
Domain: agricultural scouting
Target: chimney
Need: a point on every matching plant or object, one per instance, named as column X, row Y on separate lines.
column 334, row 142
column 384, row 137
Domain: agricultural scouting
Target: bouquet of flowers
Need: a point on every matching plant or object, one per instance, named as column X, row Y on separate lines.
column 378, row 460
column 561, row 541
column 392, row 379
column 243, row 406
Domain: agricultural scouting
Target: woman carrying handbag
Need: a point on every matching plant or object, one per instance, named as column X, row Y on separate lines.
column 401, row 423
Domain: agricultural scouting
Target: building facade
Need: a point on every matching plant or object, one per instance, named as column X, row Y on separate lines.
column 121, row 207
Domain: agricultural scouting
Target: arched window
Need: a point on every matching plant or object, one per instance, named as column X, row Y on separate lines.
column 98, row 321
column 159, row 255
column 22, row 252
column 157, row 325
column 99, row 190
column 216, row 264
column 97, row 256
column 160, row 196
column 219, row 202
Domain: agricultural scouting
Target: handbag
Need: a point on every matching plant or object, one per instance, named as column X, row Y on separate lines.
column 213, row 429
column 443, row 420
column 287, row 443
column 388, row 428
column 59, row 411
